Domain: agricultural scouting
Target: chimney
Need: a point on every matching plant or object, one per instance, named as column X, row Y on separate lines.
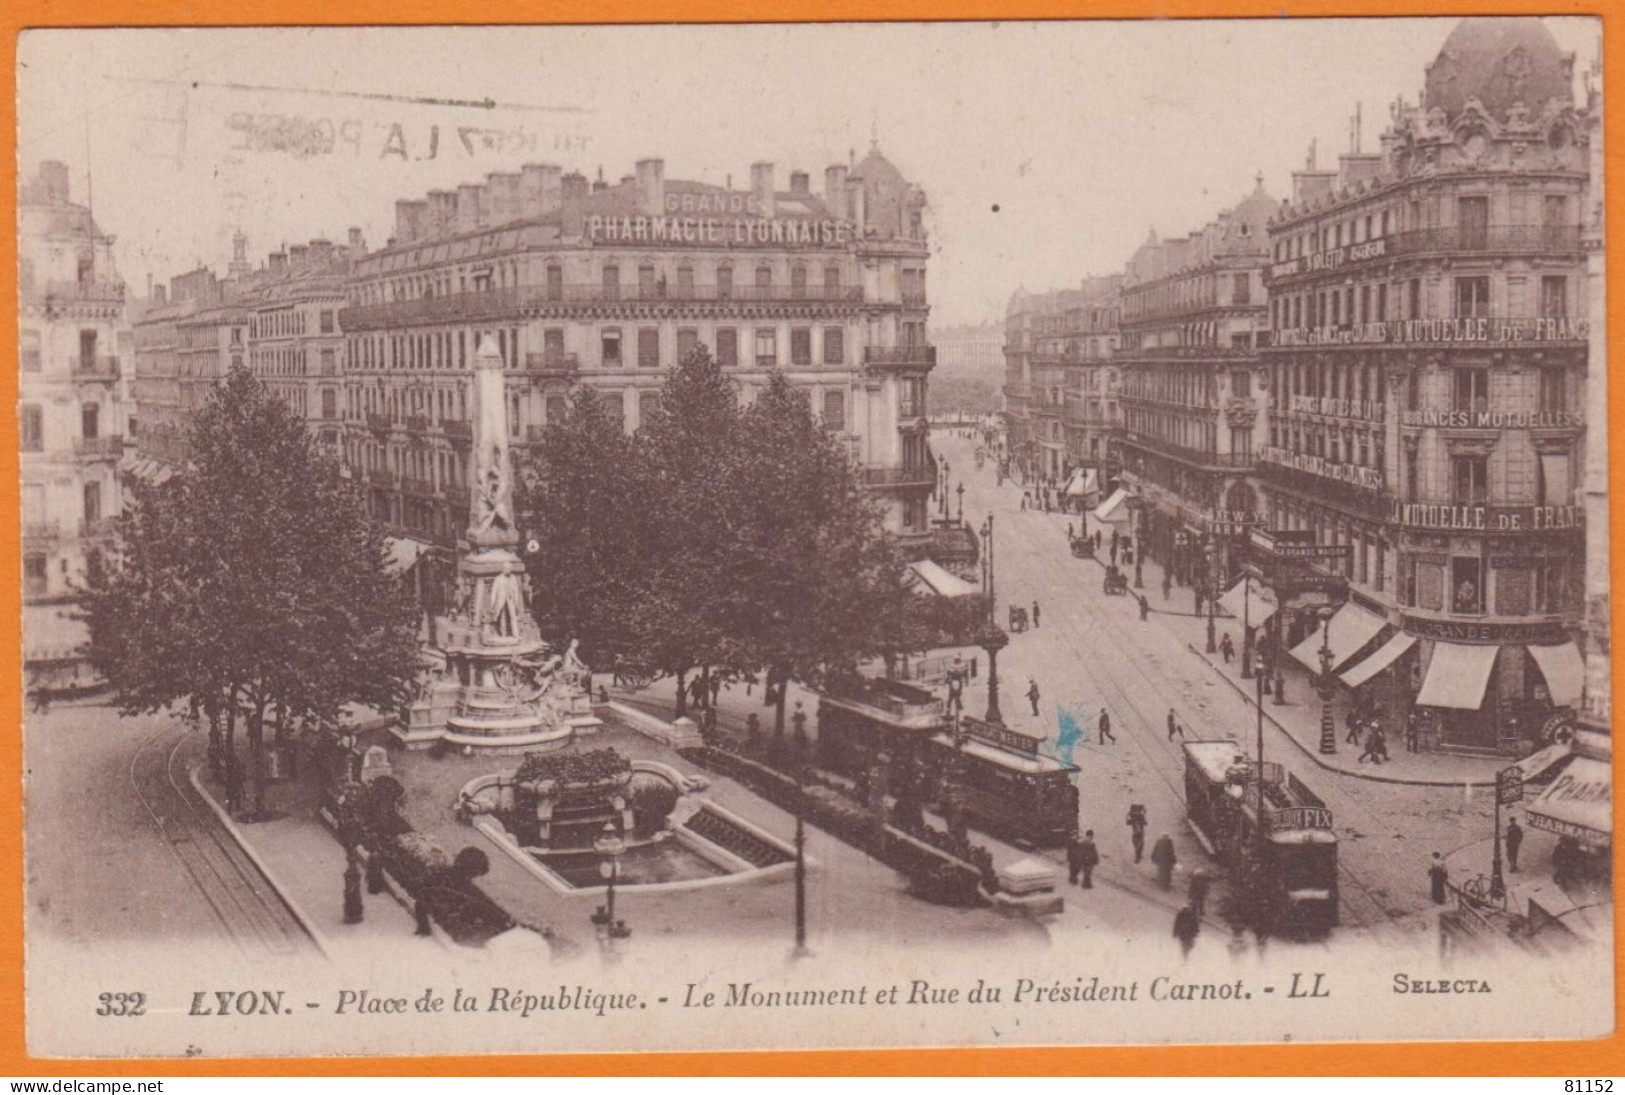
column 538, row 189
column 1355, row 168
column 652, row 187
column 835, row 191
column 502, row 192
column 761, row 187
column 409, row 220
column 277, row 261
column 441, row 219
column 296, row 256
column 357, row 245
column 470, row 202
column 573, row 187
column 599, row 186
column 160, row 296
column 53, row 177
column 798, row 183
column 1310, row 186
column 628, row 180
column 857, row 208
column 321, row 252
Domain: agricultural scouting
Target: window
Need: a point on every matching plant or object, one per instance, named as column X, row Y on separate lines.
column 725, row 282
column 1430, row 578
column 31, row 352
column 1469, row 480
column 611, row 344
column 834, row 346
column 727, row 347
column 612, row 283
column 1382, row 300
column 1553, row 479
column 1473, row 222
column 327, row 321
column 835, row 411
column 1555, row 217
column 1241, row 383
column 798, row 281
column 1512, row 590
column 832, row 281
column 36, row 579
column 648, row 407
column 555, row 283
column 556, row 407
column 767, row 347
column 1554, row 297
column 687, row 339
column 1472, row 390
column 648, row 347
column 615, row 408
column 90, row 417
column 553, row 343
column 1551, row 582
column 1554, row 395
column 646, row 282
column 1243, row 289
column 685, row 282
column 1467, row 585
column 800, row 346
column 93, row 502
column 1411, row 484
column 330, row 403
column 32, row 428
column 764, row 277
column 1472, row 298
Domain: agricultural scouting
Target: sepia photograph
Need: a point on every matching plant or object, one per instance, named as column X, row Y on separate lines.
column 813, row 536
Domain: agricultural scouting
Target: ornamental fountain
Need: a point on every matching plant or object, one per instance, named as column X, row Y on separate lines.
column 495, row 685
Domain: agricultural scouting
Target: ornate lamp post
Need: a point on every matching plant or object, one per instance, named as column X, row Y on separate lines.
column 1276, row 652
column 800, row 950
column 993, row 640
column 1212, row 591
column 1327, row 689
column 1247, row 630
column 609, row 845
column 961, row 492
column 1136, row 507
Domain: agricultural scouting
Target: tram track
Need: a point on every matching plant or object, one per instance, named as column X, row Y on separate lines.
column 250, row 911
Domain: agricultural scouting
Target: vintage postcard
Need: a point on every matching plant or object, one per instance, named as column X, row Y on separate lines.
column 625, row 538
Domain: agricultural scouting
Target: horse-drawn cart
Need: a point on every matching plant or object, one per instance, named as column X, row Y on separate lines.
column 1115, row 584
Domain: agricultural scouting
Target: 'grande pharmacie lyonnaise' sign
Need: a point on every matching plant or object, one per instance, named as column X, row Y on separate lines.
column 1483, row 330
column 718, row 220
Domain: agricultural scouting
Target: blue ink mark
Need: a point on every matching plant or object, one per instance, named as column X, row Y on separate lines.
column 1071, row 733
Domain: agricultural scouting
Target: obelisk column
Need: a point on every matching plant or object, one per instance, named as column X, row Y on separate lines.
column 490, row 519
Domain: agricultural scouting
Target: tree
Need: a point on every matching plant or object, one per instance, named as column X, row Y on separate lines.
column 581, row 499
column 253, row 587
column 817, row 584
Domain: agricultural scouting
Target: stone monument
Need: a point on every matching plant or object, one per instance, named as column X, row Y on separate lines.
column 497, row 688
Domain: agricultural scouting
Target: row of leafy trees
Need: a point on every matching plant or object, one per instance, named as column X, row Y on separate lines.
column 251, row 590
column 733, row 538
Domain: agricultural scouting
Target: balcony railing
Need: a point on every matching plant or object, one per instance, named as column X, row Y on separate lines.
column 924, row 476
column 96, row 528
column 911, row 408
column 457, row 497
column 522, row 299
column 914, row 298
column 1199, row 353
column 90, row 291
column 1196, row 457
column 1545, row 239
column 379, row 421
column 39, row 531
column 99, row 448
column 917, row 357
column 93, row 367
column 552, row 363
column 381, row 477
column 457, row 427
column 417, row 423
column 422, row 487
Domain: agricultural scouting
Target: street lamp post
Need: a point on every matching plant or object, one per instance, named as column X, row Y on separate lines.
column 1276, row 652
column 1328, row 727
column 801, row 866
column 1212, row 592
column 1247, row 630
column 961, row 493
column 609, row 845
column 993, row 640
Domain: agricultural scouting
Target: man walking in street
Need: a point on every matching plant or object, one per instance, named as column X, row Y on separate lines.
column 1173, row 725
column 1162, row 854
column 1145, row 605
column 1514, row 842
column 1167, row 585
column 1438, row 876
column 1187, row 926
column 1105, row 727
column 1201, row 882
column 1227, row 648
column 1088, row 859
column 1032, row 694
column 1137, row 825
column 1074, row 857
column 1035, row 615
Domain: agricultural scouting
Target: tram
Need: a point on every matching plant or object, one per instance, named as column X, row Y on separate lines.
column 1290, row 830
column 1001, row 780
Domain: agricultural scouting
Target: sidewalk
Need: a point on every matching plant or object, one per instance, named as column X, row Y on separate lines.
column 1299, row 717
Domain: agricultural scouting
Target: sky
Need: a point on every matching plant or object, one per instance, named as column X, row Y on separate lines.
column 1047, row 151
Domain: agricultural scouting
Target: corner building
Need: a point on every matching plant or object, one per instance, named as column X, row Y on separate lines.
column 1428, row 363
column 1193, row 319
column 610, row 285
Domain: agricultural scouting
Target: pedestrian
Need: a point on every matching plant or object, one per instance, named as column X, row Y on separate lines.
column 1411, row 725
column 234, row 786
column 716, row 687
column 1201, row 882
column 1070, row 536
column 1098, row 539
column 1090, row 859
column 1074, row 857
column 1227, row 648
column 1187, row 926
column 1197, row 590
column 1514, row 842
column 1105, row 726
column 1032, row 694
column 1114, row 549
column 1145, row 606
column 753, row 726
column 1162, row 854
column 1380, row 750
column 1438, row 876
column 1026, row 496
column 1035, row 615
column 1137, row 824
column 352, row 892
column 1373, row 746
column 1167, row 585
column 799, row 721
column 1352, row 721
column 1173, row 724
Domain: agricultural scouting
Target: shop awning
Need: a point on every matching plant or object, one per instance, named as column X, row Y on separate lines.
column 1249, row 600
column 1564, row 670
column 934, row 578
column 1084, row 481
column 1351, row 628
column 1578, row 804
column 1457, row 676
column 403, row 553
column 1112, row 509
column 1537, row 764
column 1385, row 656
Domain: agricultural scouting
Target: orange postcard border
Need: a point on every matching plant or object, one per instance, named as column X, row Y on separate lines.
column 1594, row 1058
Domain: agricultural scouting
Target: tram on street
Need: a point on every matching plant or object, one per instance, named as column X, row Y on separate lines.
column 1236, row 808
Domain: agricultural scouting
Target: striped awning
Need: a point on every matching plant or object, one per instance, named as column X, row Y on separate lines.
column 1350, row 628
column 1457, row 676
column 1564, row 670
column 1385, row 656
